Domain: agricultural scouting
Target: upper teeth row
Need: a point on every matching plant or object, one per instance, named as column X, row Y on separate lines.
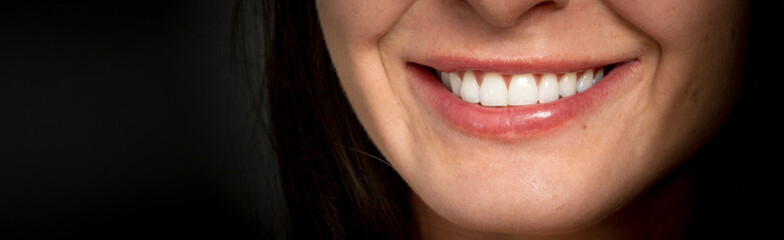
column 522, row 90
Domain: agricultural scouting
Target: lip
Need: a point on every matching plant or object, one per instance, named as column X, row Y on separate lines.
column 514, row 122
column 514, row 65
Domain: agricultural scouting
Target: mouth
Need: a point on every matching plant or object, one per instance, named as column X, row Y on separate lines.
column 510, row 103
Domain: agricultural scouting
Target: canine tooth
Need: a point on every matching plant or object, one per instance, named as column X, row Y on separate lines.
column 548, row 88
column 523, row 90
column 586, row 81
column 493, row 92
column 445, row 80
column 454, row 82
column 469, row 88
column 598, row 76
column 568, row 84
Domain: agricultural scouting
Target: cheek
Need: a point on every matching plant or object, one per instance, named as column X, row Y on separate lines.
column 697, row 40
column 680, row 26
column 697, row 71
column 698, row 43
column 359, row 23
column 352, row 31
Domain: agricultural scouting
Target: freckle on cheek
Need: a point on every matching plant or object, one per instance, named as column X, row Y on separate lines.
column 694, row 95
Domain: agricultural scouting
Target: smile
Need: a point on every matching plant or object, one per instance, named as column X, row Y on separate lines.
column 504, row 102
column 499, row 90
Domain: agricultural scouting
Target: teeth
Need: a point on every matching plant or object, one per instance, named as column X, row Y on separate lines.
column 548, row 88
column 598, row 76
column 454, row 82
column 469, row 89
column 445, row 80
column 568, row 84
column 493, row 90
column 522, row 89
column 585, row 81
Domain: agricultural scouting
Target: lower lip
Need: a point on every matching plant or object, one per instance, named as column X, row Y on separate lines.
column 513, row 122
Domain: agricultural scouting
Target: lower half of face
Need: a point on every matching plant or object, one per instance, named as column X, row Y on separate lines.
column 535, row 116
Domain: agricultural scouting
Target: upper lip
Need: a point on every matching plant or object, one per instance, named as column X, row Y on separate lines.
column 517, row 64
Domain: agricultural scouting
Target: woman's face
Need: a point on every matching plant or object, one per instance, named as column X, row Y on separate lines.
column 524, row 134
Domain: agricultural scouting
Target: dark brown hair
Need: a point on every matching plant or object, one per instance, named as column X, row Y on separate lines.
column 335, row 183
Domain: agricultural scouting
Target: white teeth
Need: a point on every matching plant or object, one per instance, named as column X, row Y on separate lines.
column 493, row 90
column 568, row 84
column 548, row 88
column 469, row 88
column 523, row 90
column 586, row 81
column 445, row 80
column 598, row 76
column 454, row 82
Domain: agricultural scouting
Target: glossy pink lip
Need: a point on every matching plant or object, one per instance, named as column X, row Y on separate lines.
column 513, row 122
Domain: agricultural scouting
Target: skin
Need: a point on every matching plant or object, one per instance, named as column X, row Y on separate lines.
column 596, row 176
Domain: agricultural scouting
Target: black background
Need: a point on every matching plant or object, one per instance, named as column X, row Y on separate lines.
column 119, row 119
column 124, row 119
